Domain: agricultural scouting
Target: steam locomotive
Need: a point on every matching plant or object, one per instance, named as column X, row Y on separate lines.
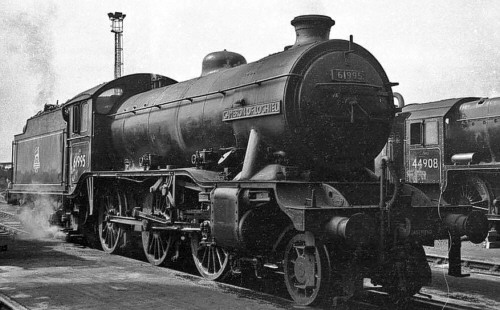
column 449, row 150
column 256, row 167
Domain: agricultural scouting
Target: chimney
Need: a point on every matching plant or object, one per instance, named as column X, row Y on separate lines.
column 311, row 28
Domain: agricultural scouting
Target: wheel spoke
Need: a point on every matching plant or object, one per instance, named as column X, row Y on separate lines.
column 159, row 251
column 161, row 245
column 210, row 258
column 214, row 251
column 205, row 250
column 219, row 258
column 155, row 248
column 150, row 243
column 111, row 237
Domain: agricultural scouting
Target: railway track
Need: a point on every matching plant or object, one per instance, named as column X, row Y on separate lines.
column 10, row 224
column 375, row 299
column 440, row 260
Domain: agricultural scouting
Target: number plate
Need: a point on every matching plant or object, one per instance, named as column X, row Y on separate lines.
column 79, row 161
column 348, row 75
column 424, row 166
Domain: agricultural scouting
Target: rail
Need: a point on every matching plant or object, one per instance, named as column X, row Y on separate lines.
column 6, row 303
column 376, row 298
column 10, row 224
column 441, row 260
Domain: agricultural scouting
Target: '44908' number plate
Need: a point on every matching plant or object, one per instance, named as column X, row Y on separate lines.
column 423, row 166
column 348, row 75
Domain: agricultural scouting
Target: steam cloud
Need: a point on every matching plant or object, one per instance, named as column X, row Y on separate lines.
column 28, row 82
column 36, row 219
column 26, row 70
column 34, row 41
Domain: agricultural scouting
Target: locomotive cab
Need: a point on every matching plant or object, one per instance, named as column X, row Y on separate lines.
column 89, row 141
column 424, row 136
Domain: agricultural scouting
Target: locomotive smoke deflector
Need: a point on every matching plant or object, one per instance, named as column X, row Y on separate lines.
column 311, row 28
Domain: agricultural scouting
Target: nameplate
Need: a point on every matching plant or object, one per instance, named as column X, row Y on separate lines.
column 255, row 110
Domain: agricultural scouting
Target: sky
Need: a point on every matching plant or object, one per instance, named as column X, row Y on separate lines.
column 53, row 49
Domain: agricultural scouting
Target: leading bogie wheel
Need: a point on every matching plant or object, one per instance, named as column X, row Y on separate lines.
column 110, row 234
column 211, row 260
column 307, row 271
column 157, row 246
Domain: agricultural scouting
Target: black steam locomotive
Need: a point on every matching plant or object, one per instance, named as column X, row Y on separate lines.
column 257, row 167
column 449, row 150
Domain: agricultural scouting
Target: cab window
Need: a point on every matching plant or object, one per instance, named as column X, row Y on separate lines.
column 80, row 117
column 424, row 133
column 416, row 133
column 431, row 133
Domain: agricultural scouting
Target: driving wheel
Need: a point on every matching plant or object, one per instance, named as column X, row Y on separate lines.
column 110, row 234
column 157, row 246
column 211, row 260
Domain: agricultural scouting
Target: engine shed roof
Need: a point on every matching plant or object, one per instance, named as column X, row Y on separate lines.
column 434, row 109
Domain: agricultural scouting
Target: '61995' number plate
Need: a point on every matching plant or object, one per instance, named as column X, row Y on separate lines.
column 348, row 75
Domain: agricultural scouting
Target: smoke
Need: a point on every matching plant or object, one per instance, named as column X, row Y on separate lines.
column 28, row 82
column 36, row 219
column 26, row 69
column 33, row 45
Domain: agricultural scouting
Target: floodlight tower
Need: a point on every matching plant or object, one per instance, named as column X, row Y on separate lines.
column 117, row 28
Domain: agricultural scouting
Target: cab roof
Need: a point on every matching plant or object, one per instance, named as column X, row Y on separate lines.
column 139, row 82
column 435, row 108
